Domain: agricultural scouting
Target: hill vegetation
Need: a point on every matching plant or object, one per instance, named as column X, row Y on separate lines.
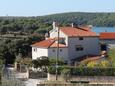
column 42, row 24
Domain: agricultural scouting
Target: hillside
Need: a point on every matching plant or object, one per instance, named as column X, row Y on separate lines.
column 41, row 24
column 95, row 19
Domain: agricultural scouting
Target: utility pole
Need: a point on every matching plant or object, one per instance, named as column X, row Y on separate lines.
column 57, row 56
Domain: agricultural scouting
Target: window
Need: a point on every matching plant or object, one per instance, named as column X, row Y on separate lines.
column 60, row 50
column 80, row 38
column 53, row 50
column 79, row 48
column 35, row 49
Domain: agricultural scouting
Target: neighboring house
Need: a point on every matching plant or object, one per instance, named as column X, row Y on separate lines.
column 74, row 42
column 107, row 40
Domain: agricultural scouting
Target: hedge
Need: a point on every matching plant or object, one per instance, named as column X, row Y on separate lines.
column 85, row 71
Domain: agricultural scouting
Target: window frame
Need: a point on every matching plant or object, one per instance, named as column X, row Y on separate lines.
column 79, row 48
column 53, row 50
column 81, row 38
column 60, row 50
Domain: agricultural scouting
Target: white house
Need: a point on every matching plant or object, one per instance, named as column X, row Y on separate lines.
column 48, row 48
column 74, row 42
column 107, row 40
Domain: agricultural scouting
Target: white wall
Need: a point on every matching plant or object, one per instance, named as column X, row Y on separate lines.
column 111, row 46
column 50, row 53
column 39, row 52
column 107, row 41
column 54, row 34
column 90, row 45
column 62, row 54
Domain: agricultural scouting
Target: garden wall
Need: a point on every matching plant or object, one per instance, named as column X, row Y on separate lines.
column 84, row 78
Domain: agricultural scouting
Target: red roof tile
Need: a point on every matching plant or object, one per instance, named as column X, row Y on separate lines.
column 69, row 31
column 54, row 45
column 48, row 43
column 90, row 59
column 107, row 35
column 45, row 43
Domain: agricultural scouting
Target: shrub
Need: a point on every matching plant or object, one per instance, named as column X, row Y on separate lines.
column 66, row 74
column 52, row 69
column 83, row 71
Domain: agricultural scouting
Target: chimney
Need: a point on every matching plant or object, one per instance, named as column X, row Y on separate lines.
column 90, row 26
column 72, row 25
column 54, row 25
column 47, row 35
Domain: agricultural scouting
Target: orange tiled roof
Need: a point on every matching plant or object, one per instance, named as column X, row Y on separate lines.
column 107, row 35
column 70, row 31
column 54, row 45
column 48, row 43
column 45, row 43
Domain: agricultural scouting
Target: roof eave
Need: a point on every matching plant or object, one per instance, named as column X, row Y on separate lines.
column 41, row 47
column 82, row 36
column 107, row 38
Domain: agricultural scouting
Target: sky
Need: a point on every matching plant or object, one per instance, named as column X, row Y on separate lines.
column 46, row 7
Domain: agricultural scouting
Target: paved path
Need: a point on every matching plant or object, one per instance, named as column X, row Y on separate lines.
column 33, row 82
column 105, row 83
column 29, row 82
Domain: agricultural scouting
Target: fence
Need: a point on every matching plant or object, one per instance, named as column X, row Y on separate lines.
column 84, row 74
column 36, row 75
column 75, row 85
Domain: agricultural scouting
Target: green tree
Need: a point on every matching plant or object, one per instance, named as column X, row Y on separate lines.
column 41, row 62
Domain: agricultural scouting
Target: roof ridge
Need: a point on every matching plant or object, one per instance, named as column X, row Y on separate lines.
column 70, row 31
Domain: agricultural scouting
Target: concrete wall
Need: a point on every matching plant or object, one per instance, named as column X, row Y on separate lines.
column 90, row 45
column 63, row 54
column 38, row 52
column 107, row 79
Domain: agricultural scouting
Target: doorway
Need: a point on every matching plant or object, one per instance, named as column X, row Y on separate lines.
column 103, row 47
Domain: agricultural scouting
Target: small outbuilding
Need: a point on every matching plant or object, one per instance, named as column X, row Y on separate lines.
column 107, row 40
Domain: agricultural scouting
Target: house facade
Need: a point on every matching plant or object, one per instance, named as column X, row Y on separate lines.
column 74, row 42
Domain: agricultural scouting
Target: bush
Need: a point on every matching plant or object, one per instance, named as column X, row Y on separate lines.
column 66, row 74
column 83, row 71
column 52, row 69
column 111, row 54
